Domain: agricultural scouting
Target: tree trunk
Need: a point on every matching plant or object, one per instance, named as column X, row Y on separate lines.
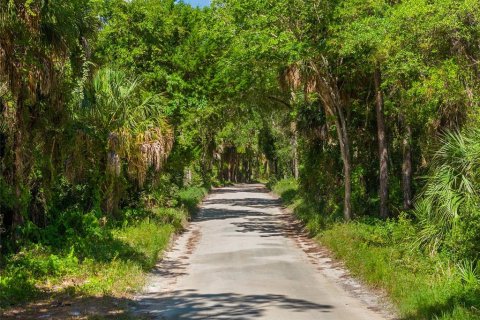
column 329, row 93
column 293, row 127
column 407, row 168
column 382, row 144
column 344, row 142
column 295, row 150
column 19, row 171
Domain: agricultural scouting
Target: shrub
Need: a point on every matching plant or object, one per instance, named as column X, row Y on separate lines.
column 448, row 209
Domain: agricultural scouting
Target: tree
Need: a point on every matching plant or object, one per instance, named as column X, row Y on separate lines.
column 42, row 48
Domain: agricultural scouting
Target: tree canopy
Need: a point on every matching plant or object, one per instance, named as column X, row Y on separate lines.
column 371, row 105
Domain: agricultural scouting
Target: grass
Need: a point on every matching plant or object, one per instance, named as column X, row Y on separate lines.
column 191, row 197
column 287, row 189
column 110, row 260
column 384, row 255
column 115, row 264
column 422, row 287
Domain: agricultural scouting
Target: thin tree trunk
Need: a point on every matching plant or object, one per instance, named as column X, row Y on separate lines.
column 344, row 142
column 293, row 127
column 295, row 150
column 407, row 168
column 382, row 144
column 221, row 173
column 18, row 140
column 188, row 177
column 330, row 95
column 220, row 168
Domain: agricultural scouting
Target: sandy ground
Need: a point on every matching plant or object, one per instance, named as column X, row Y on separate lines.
column 244, row 257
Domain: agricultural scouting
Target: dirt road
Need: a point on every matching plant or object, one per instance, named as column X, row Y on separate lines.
column 243, row 258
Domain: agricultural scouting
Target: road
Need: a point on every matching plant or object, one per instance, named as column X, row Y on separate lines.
column 243, row 257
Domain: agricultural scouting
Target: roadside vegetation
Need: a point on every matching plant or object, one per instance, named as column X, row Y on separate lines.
column 91, row 258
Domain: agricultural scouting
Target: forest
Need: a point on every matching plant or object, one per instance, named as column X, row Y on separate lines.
column 117, row 117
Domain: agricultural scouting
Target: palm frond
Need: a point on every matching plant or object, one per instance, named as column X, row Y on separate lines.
column 449, row 194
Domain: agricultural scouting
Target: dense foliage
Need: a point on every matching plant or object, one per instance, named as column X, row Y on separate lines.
column 109, row 107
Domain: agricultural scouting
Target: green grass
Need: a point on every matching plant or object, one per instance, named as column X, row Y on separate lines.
column 384, row 255
column 114, row 264
column 191, row 197
column 287, row 189
column 110, row 260
column 422, row 287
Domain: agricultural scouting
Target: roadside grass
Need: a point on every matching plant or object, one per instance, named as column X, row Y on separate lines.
column 385, row 256
column 287, row 189
column 113, row 264
column 191, row 197
column 110, row 260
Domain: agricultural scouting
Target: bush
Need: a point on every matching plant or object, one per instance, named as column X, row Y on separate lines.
column 176, row 217
column 16, row 287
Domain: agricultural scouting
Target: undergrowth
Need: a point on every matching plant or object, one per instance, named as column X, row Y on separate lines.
column 97, row 257
column 386, row 256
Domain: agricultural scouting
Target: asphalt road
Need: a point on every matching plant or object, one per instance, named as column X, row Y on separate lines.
column 241, row 259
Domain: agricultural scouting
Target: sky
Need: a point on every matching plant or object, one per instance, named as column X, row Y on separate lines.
column 200, row 3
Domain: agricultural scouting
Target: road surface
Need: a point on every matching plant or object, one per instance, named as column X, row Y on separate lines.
column 243, row 258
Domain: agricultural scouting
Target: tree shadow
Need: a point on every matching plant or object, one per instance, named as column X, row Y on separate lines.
column 254, row 213
column 235, row 188
column 183, row 304
column 190, row 304
column 266, row 226
column 170, row 269
column 246, row 202
column 209, row 214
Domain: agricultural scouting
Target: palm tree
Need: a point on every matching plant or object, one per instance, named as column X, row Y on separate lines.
column 128, row 123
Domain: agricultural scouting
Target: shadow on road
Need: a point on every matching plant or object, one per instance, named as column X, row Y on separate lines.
column 253, row 188
column 255, row 213
column 246, row 202
column 189, row 304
